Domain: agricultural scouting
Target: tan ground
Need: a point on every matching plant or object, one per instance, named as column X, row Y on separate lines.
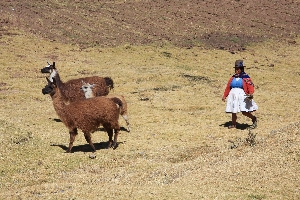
column 179, row 147
column 166, row 58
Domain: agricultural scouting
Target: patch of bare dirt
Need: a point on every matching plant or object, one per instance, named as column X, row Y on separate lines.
column 229, row 24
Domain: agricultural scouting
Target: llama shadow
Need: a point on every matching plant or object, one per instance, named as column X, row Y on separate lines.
column 86, row 147
column 238, row 125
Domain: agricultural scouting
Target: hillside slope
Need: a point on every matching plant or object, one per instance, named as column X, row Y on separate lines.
column 229, row 25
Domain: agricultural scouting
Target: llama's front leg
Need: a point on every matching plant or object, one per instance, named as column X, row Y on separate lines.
column 88, row 138
column 73, row 134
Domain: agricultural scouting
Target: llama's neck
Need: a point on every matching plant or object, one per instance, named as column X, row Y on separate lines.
column 60, row 84
column 60, row 104
column 54, row 74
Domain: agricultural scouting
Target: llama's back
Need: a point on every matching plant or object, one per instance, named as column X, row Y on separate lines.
column 90, row 113
column 71, row 89
column 102, row 85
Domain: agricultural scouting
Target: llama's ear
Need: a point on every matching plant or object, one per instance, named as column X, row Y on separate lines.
column 92, row 86
column 83, row 83
column 53, row 65
column 48, row 80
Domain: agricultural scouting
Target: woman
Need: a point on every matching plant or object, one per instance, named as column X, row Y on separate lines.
column 240, row 91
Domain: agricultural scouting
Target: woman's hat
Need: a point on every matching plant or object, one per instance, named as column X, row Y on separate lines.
column 239, row 63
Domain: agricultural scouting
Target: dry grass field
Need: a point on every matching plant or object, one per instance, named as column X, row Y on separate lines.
column 179, row 146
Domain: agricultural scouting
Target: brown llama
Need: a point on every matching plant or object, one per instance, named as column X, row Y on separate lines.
column 89, row 93
column 70, row 89
column 86, row 115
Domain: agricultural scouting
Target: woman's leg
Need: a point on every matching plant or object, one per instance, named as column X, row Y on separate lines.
column 254, row 120
column 233, row 119
column 249, row 114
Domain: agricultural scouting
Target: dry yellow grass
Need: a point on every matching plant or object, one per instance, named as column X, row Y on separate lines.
column 178, row 147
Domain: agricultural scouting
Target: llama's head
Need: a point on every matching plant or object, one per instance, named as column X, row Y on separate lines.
column 50, row 68
column 87, row 89
column 47, row 68
column 50, row 88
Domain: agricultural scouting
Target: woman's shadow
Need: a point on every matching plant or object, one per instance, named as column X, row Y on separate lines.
column 238, row 125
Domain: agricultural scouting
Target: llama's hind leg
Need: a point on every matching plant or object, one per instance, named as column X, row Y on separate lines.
column 116, row 129
column 115, row 144
column 73, row 134
column 88, row 138
column 110, row 136
column 110, row 133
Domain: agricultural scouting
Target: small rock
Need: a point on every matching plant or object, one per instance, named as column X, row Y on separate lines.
column 292, row 42
column 92, row 156
column 144, row 99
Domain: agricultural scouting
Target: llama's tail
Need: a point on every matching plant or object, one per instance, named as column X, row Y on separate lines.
column 109, row 82
column 117, row 101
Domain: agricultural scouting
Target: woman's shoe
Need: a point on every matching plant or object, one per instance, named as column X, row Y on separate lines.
column 254, row 121
column 232, row 126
